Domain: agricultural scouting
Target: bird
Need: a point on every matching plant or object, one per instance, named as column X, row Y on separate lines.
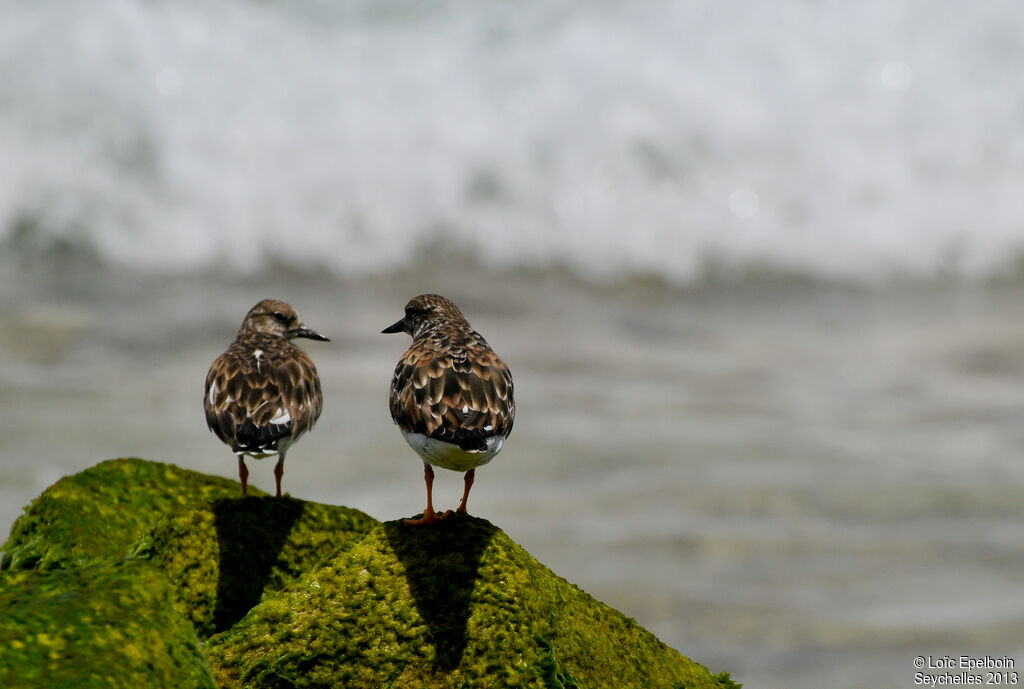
column 263, row 392
column 451, row 395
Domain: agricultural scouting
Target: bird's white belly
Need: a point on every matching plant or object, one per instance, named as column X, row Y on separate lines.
column 450, row 456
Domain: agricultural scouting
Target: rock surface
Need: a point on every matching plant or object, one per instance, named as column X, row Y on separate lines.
column 136, row 573
column 99, row 626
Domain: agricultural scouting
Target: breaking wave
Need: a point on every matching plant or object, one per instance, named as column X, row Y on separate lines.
column 855, row 141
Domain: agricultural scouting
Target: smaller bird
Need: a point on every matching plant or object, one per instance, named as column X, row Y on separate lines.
column 263, row 393
column 451, row 395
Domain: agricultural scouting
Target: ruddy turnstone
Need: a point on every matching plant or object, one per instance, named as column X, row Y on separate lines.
column 451, row 395
column 263, row 393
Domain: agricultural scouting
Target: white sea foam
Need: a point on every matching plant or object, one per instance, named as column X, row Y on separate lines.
column 847, row 141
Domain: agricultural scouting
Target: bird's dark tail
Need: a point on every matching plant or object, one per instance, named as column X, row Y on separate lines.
column 253, row 439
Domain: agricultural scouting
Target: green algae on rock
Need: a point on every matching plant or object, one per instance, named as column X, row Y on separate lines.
column 297, row 594
column 99, row 513
column 103, row 626
column 225, row 554
column 455, row 605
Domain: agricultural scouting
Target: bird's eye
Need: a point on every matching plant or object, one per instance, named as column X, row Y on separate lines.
column 280, row 317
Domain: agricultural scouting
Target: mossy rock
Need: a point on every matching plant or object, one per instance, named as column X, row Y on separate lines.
column 224, row 555
column 136, row 561
column 457, row 604
column 221, row 550
column 105, row 626
column 99, row 513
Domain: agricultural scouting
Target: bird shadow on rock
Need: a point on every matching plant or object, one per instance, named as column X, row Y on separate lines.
column 251, row 533
column 442, row 565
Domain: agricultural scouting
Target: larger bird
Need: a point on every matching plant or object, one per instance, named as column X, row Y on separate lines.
column 263, row 393
column 451, row 395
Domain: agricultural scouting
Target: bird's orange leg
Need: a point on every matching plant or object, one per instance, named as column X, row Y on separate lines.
column 243, row 473
column 470, row 475
column 428, row 516
column 278, row 473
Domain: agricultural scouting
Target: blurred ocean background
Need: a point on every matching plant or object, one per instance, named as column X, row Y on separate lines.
column 757, row 268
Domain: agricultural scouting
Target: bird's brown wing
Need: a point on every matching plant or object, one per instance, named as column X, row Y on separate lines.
column 252, row 402
column 460, row 399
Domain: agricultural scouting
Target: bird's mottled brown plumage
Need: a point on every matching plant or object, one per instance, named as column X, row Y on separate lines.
column 263, row 393
column 451, row 395
column 449, row 384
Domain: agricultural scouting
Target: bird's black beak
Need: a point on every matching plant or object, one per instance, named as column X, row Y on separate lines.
column 303, row 331
column 395, row 328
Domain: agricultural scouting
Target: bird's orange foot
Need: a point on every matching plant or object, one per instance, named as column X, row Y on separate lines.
column 427, row 518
